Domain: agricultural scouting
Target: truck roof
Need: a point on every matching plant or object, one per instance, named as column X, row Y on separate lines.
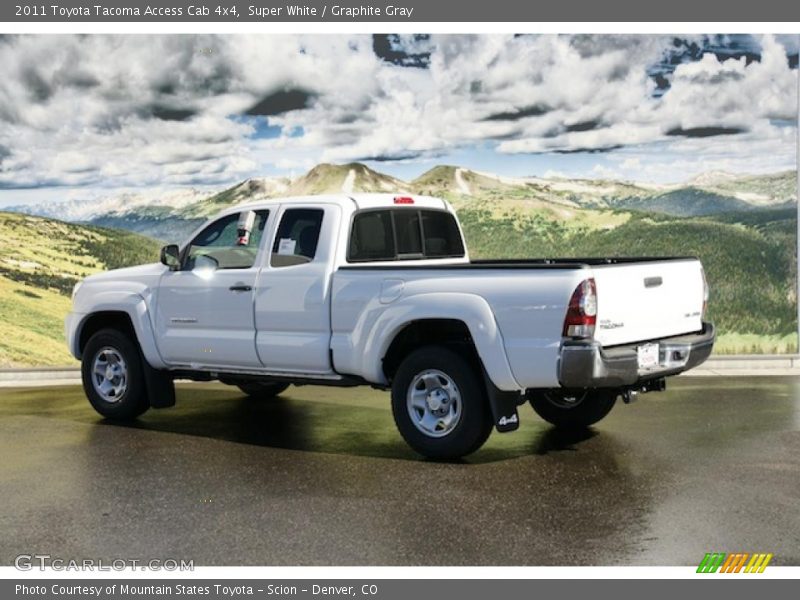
column 357, row 201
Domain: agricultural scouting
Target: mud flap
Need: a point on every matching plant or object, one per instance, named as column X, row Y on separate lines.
column 504, row 406
column 160, row 387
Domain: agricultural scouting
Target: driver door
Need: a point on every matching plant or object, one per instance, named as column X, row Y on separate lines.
column 204, row 315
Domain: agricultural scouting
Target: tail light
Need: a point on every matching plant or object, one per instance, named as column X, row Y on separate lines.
column 582, row 312
column 403, row 200
column 705, row 291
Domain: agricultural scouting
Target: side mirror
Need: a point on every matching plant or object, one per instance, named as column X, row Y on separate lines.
column 170, row 256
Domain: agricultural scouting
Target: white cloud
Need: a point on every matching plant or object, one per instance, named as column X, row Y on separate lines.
column 85, row 110
column 135, row 110
column 732, row 93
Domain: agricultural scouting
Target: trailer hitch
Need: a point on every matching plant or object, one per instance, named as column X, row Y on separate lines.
column 631, row 394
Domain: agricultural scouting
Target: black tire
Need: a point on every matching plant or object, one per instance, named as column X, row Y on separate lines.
column 474, row 423
column 264, row 391
column 128, row 403
column 573, row 409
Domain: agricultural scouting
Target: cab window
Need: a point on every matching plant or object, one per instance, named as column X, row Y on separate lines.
column 230, row 242
column 372, row 237
column 441, row 235
column 297, row 237
column 404, row 234
column 408, row 234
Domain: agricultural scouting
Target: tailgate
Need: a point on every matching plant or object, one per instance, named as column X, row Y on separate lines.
column 648, row 300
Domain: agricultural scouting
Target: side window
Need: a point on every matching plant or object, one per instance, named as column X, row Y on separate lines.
column 442, row 238
column 297, row 238
column 372, row 237
column 228, row 243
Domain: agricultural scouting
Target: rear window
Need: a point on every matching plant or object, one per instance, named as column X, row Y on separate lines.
column 408, row 234
column 442, row 238
column 372, row 237
column 404, row 234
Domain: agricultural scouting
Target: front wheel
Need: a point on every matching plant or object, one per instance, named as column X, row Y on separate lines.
column 439, row 404
column 112, row 375
column 573, row 409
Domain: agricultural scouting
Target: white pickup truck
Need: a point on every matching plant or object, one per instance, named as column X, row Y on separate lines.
column 376, row 289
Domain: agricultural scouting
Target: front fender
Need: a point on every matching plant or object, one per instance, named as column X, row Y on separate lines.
column 472, row 310
column 131, row 303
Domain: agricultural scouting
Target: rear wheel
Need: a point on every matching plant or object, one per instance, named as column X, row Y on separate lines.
column 439, row 404
column 112, row 375
column 255, row 389
column 573, row 408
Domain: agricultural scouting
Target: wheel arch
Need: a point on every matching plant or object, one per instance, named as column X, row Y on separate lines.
column 113, row 319
column 128, row 314
column 427, row 332
column 462, row 318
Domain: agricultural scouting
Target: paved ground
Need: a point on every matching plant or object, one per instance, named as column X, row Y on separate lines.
column 321, row 477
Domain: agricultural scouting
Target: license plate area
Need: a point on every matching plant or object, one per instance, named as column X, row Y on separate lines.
column 647, row 356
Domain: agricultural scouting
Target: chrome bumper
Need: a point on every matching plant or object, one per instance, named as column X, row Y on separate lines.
column 586, row 364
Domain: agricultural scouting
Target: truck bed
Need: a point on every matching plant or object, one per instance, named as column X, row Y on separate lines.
column 639, row 298
column 523, row 263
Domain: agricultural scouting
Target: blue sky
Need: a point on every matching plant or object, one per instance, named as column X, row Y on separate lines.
column 81, row 116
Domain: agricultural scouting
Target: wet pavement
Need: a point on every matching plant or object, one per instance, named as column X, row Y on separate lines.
column 319, row 476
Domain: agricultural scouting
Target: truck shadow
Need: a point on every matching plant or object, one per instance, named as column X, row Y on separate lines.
column 330, row 427
column 536, row 496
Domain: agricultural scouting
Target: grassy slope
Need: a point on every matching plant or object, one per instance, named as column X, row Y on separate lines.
column 40, row 261
column 329, row 179
column 526, row 207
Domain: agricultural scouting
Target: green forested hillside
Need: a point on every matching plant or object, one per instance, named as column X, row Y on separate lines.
column 40, row 262
column 748, row 257
column 686, row 202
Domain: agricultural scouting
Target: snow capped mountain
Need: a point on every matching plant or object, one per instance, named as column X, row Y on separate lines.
column 710, row 178
column 257, row 188
column 88, row 208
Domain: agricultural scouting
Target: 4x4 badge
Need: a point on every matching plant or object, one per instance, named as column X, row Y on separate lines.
column 508, row 420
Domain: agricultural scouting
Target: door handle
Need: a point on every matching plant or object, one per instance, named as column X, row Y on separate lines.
column 651, row 282
column 241, row 288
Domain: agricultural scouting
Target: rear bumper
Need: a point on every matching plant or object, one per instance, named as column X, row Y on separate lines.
column 586, row 364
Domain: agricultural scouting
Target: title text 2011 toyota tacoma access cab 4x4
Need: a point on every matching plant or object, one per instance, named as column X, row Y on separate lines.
column 379, row 290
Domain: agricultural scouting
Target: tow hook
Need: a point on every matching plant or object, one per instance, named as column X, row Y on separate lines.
column 629, row 396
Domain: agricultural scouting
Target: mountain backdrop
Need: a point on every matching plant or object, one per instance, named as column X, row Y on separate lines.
column 743, row 227
column 175, row 214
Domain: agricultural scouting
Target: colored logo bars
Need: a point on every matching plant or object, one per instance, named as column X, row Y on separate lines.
column 734, row 563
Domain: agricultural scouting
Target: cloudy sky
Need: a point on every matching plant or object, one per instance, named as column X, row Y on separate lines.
column 81, row 115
